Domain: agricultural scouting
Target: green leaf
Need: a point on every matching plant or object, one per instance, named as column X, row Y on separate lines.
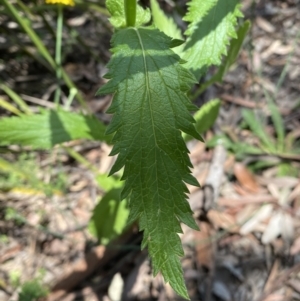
column 277, row 122
column 150, row 108
column 287, row 169
column 49, row 128
column 32, row 290
column 233, row 51
column 117, row 11
column 212, row 24
column 240, row 149
column 107, row 183
column 257, row 128
column 17, row 174
column 206, row 117
column 165, row 24
column 220, row 139
column 229, row 60
column 109, row 217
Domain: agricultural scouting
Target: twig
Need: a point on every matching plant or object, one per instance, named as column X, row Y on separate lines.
column 38, row 101
column 240, row 101
column 280, row 281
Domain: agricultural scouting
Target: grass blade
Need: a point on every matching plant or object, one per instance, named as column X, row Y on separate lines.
column 257, row 128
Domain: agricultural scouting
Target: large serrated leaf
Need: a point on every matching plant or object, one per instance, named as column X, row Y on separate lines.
column 212, row 24
column 166, row 24
column 49, row 128
column 230, row 59
column 150, row 108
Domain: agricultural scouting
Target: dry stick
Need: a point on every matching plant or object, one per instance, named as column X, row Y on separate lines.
column 38, row 101
column 240, row 101
column 280, row 281
column 272, row 276
column 245, row 200
column 211, row 194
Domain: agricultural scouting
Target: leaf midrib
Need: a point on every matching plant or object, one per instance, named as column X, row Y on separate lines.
column 151, row 111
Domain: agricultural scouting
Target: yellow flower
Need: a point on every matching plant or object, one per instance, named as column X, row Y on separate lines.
column 64, row 2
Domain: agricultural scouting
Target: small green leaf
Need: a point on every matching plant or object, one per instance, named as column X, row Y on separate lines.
column 206, row 117
column 220, row 139
column 49, row 128
column 277, row 122
column 117, row 11
column 151, row 108
column 287, row 169
column 18, row 175
column 107, row 183
column 212, row 24
column 32, row 290
column 109, row 217
column 240, row 149
column 12, row 214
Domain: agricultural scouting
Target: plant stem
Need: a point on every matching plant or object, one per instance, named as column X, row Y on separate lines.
column 16, row 98
column 79, row 158
column 58, row 53
column 130, row 12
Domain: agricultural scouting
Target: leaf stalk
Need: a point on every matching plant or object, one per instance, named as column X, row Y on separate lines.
column 130, row 12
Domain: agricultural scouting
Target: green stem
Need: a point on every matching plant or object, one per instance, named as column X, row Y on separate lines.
column 130, row 12
column 58, row 53
column 79, row 158
column 16, row 98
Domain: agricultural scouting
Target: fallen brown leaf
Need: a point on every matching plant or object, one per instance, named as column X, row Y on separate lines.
column 9, row 253
column 262, row 214
column 222, row 220
column 245, row 177
column 204, row 248
column 265, row 25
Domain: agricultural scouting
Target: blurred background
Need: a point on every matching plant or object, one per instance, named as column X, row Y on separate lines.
column 63, row 233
